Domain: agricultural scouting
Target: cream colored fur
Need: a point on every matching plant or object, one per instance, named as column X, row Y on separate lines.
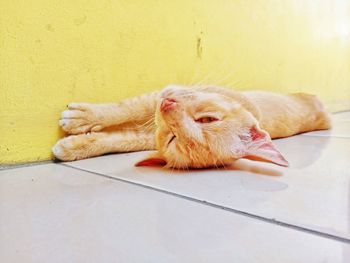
column 141, row 123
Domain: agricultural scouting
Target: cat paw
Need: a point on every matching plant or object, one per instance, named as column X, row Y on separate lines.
column 75, row 147
column 81, row 118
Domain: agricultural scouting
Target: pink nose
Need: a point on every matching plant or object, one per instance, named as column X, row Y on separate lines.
column 167, row 104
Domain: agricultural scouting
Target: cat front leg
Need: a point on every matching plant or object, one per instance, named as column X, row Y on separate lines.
column 87, row 117
column 82, row 146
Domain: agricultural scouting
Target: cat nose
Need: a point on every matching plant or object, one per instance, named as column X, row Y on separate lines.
column 167, row 104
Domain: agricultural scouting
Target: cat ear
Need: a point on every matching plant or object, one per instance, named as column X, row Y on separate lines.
column 261, row 148
column 152, row 160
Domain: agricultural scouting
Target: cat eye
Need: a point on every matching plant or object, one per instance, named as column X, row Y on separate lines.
column 206, row 119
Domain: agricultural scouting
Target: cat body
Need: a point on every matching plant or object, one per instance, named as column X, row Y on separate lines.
column 190, row 127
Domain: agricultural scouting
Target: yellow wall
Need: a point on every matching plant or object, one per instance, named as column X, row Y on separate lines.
column 56, row 51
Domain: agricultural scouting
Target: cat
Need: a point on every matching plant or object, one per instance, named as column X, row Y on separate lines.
column 190, row 127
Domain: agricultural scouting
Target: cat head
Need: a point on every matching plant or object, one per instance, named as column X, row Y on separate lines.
column 207, row 127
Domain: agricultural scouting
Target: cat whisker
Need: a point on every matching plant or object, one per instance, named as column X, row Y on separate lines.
column 204, row 80
column 207, row 79
column 176, row 161
column 223, row 81
column 194, row 76
column 236, row 85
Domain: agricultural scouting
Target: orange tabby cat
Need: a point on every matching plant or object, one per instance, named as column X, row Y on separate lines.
column 190, row 127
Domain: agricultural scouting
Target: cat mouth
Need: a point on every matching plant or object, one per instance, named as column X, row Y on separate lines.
column 172, row 138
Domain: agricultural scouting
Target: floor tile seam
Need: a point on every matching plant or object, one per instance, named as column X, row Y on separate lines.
column 325, row 136
column 340, row 112
column 221, row 207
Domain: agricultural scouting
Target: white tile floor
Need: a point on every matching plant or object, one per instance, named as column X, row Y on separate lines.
column 106, row 210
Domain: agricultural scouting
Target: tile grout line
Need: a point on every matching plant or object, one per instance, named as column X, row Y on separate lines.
column 228, row 209
column 324, row 136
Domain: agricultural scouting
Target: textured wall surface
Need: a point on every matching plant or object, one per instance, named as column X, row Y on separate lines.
column 58, row 51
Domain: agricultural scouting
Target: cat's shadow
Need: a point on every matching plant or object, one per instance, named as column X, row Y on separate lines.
column 241, row 165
